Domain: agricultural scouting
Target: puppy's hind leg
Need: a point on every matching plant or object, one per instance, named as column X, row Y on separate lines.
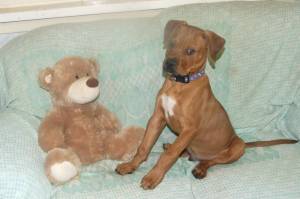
column 227, row 156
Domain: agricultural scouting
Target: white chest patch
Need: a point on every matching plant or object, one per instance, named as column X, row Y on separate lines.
column 168, row 104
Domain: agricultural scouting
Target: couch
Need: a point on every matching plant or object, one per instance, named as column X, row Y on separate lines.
column 257, row 80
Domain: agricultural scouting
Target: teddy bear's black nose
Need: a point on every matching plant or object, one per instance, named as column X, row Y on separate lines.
column 92, row 83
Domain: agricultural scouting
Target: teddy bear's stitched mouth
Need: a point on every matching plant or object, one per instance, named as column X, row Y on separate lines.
column 79, row 91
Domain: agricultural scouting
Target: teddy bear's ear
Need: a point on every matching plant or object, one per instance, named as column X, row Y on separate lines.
column 95, row 65
column 45, row 78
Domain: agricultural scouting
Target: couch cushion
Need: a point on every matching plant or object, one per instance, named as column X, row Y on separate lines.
column 289, row 124
column 270, row 172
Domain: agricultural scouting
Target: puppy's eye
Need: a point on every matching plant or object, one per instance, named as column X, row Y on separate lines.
column 190, row 51
column 87, row 74
column 77, row 77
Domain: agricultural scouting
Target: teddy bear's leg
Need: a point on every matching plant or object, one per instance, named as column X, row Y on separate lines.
column 62, row 165
column 123, row 146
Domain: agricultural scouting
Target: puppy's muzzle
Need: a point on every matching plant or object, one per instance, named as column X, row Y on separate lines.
column 169, row 65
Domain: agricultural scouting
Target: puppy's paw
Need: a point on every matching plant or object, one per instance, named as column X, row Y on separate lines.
column 199, row 172
column 125, row 168
column 151, row 180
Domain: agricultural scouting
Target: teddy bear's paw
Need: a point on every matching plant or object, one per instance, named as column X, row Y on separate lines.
column 63, row 171
column 62, row 165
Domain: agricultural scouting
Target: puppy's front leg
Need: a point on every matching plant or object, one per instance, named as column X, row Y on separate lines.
column 167, row 159
column 153, row 130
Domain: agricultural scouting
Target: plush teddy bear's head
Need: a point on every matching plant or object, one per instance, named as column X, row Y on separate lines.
column 72, row 80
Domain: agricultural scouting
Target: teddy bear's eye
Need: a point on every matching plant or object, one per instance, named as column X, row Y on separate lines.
column 87, row 74
column 77, row 77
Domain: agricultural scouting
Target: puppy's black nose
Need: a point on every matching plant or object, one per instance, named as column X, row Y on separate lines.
column 170, row 64
column 92, row 82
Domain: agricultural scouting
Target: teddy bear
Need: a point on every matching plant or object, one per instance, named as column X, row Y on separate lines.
column 78, row 130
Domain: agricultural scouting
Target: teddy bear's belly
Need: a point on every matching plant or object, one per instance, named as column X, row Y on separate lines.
column 86, row 140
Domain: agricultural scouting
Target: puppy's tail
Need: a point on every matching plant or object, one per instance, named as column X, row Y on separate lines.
column 269, row 143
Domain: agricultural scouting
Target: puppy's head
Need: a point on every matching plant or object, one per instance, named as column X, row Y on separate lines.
column 188, row 48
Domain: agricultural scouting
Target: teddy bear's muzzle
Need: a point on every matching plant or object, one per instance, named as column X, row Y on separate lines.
column 84, row 90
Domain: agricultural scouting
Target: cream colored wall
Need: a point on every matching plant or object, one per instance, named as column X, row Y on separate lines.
column 24, row 15
column 23, row 26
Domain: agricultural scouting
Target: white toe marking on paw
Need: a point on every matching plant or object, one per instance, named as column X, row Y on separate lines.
column 168, row 104
column 63, row 171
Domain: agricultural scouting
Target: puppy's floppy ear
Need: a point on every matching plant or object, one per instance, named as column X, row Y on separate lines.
column 46, row 78
column 95, row 65
column 170, row 28
column 215, row 47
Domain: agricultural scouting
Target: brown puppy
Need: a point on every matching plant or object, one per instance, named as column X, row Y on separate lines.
column 187, row 105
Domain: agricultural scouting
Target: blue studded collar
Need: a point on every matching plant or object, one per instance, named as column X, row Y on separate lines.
column 188, row 78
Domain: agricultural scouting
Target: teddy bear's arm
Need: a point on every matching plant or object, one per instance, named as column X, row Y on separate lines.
column 51, row 133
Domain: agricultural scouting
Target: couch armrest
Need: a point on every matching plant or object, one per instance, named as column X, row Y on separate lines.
column 21, row 160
